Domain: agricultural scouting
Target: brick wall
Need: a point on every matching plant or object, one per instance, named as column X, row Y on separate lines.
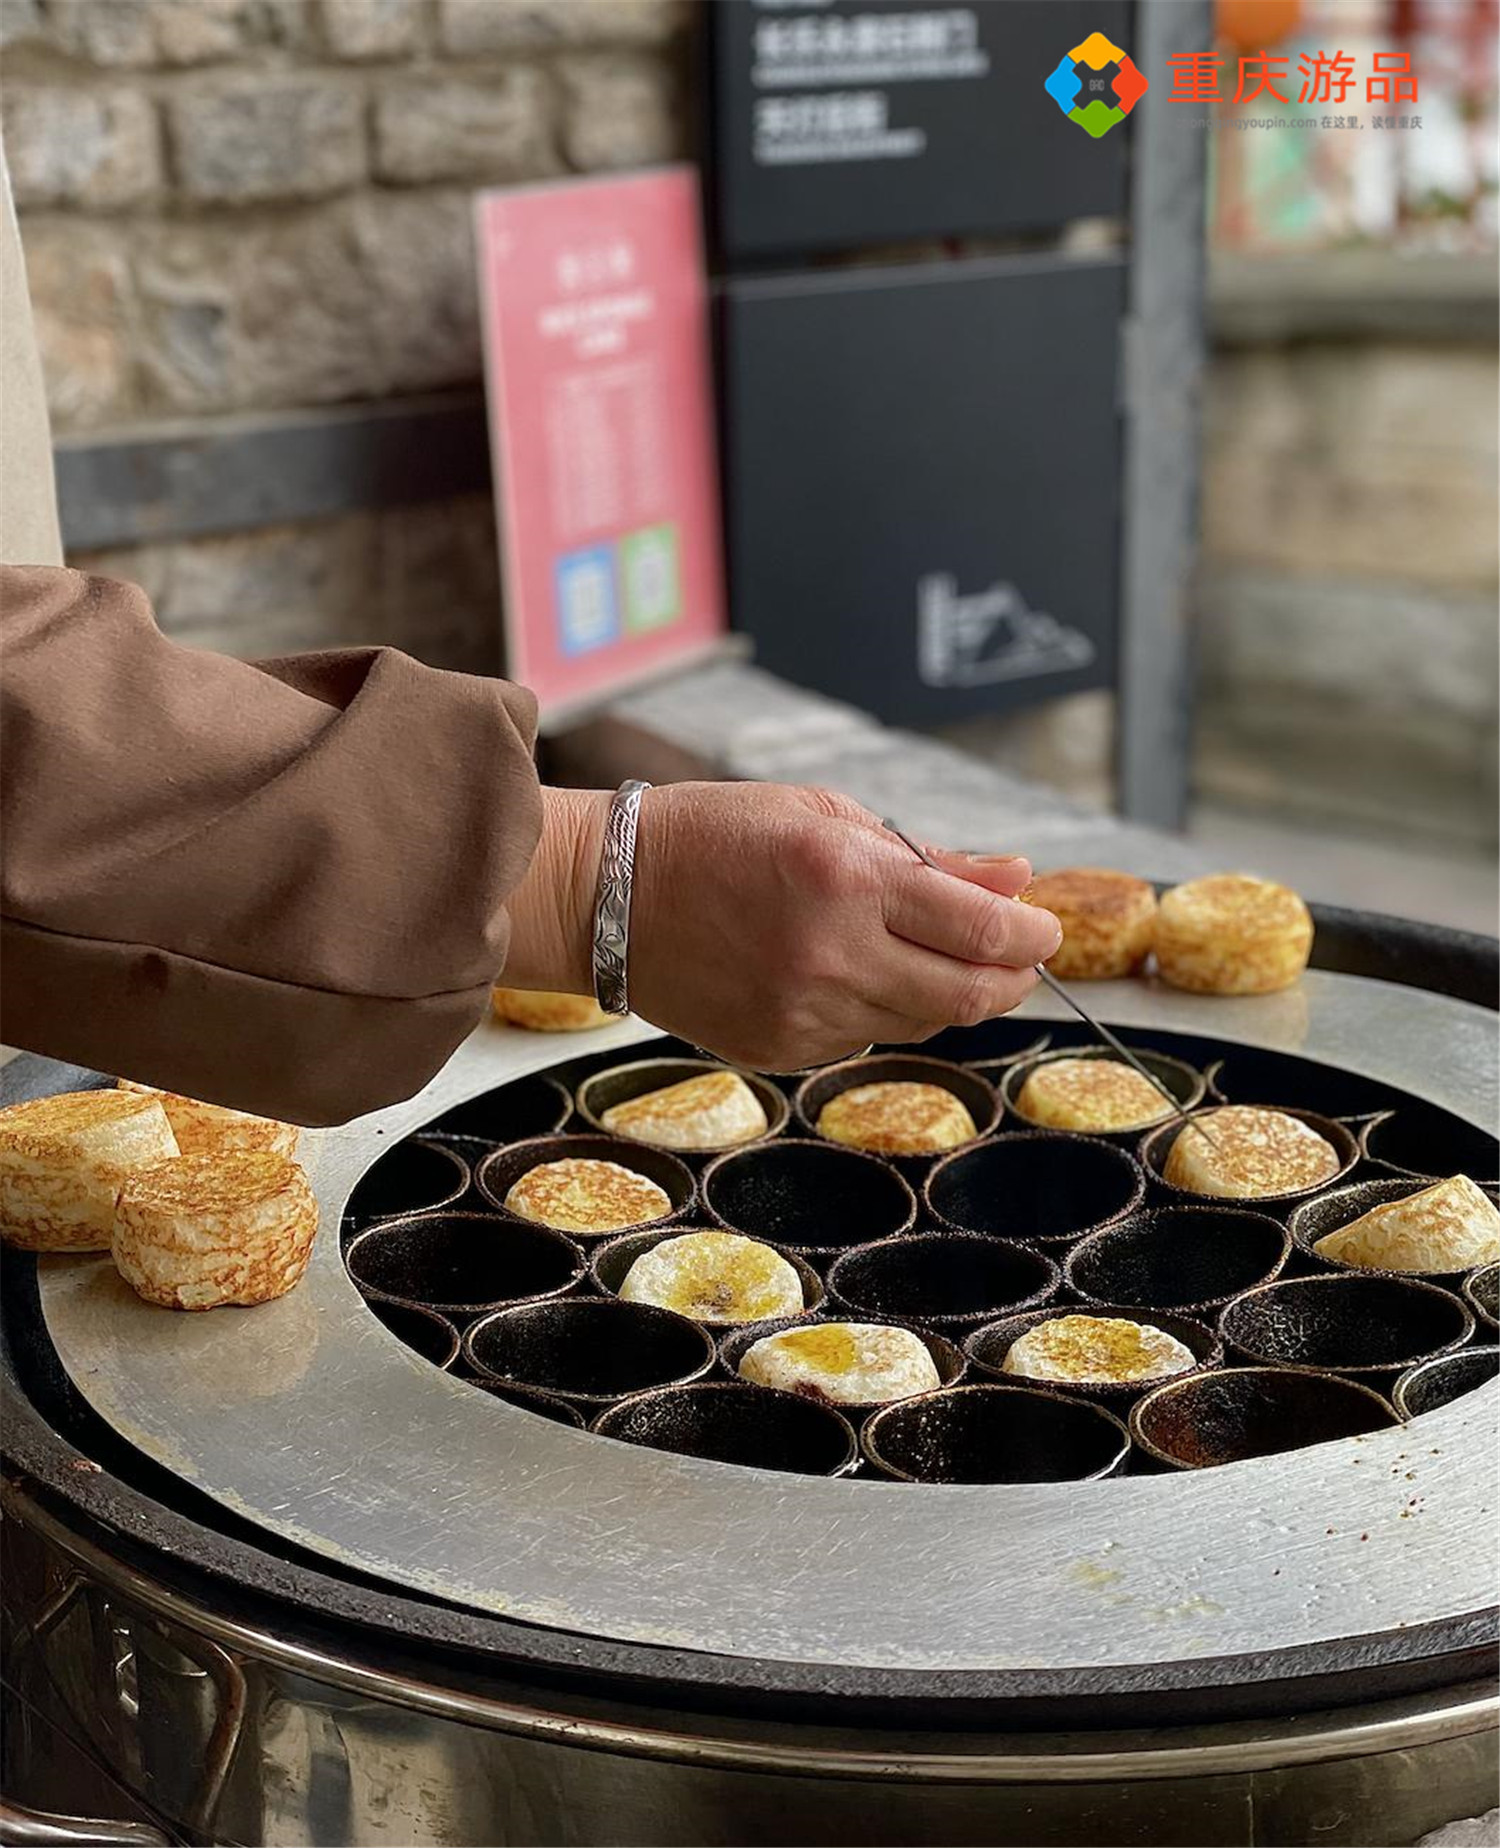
column 239, row 207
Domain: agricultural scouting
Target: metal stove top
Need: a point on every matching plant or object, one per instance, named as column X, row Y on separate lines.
column 309, row 1419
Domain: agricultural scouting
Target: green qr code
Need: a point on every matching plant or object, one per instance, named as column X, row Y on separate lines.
column 650, row 578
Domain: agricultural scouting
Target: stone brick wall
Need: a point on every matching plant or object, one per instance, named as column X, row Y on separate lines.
column 239, row 207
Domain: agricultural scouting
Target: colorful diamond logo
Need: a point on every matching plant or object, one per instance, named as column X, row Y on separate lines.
column 1096, row 85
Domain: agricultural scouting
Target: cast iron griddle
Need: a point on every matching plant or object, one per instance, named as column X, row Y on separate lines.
column 308, row 1419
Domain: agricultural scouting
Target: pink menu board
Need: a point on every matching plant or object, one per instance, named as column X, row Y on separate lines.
column 601, row 429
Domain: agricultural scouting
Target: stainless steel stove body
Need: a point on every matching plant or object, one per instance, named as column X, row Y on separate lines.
column 421, row 1615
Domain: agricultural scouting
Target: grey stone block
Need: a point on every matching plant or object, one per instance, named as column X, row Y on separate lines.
column 267, row 138
column 496, row 130
column 361, row 29
column 91, row 148
column 620, row 110
column 470, row 28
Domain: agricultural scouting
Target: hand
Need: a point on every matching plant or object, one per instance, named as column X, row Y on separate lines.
column 780, row 927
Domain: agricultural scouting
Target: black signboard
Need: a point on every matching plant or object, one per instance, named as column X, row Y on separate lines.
column 922, row 478
column 856, row 121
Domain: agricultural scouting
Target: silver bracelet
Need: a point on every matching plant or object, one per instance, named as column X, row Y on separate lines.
column 612, row 899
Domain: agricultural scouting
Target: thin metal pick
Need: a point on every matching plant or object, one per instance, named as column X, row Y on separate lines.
column 1077, row 1006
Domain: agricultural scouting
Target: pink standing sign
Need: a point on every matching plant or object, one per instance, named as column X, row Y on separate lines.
column 601, row 430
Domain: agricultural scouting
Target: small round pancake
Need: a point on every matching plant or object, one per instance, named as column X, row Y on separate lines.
column 208, row 1129
column 542, row 1012
column 1089, row 1096
column 715, row 1277
column 1451, row 1226
column 1108, row 920
column 578, row 1195
column 207, row 1230
column 713, row 1111
column 1097, row 1350
column 63, row 1159
column 843, row 1363
column 897, row 1119
column 1255, row 1153
column 1232, row 934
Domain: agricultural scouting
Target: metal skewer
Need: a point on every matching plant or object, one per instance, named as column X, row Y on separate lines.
column 1077, row 1006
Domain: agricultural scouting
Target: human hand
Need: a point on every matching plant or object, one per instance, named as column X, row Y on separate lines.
column 780, row 927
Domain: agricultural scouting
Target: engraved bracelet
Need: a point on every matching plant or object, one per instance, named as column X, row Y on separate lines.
column 612, row 899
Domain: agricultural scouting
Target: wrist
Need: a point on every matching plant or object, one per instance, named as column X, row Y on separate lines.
column 552, row 910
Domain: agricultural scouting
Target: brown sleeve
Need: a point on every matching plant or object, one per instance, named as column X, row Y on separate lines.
column 280, row 887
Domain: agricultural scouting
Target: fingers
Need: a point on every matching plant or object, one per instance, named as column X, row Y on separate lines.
column 935, row 990
column 970, row 922
column 1006, row 873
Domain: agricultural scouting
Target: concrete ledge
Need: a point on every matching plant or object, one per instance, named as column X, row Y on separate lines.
column 1352, row 295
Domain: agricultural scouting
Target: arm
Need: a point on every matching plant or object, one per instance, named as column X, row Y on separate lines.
column 280, row 887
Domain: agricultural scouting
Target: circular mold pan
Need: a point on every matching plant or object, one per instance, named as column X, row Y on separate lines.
column 795, row 1194
column 1362, row 1324
column 1446, row 1377
column 544, row 1404
column 424, row 1331
column 1041, row 1187
column 620, row 1083
column 984, row 1434
column 462, row 1263
column 589, row 1350
column 1482, row 1294
column 947, row 1281
column 1186, row 1083
column 1156, row 1145
column 947, row 1356
column 978, row 1096
column 987, row 1347
column 1187, row 1260
column 729, row 1422
column 502, row 1168
column 612, row 1260
column 1238, row 1413
column 536, row 1105
column 1417, row 1141
column 414, row 1176
column 1329, row 1212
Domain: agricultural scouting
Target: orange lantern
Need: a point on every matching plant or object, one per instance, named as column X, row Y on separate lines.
column 1256, row 25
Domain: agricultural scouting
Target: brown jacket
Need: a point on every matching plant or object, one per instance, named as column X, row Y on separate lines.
column 280, row 887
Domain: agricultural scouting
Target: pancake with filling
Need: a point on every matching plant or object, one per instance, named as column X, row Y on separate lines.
column 1232, row 934
column 1108, row 920
column 1451, row 1226
column 843, row 1363
column 579, row 1195
column 1254, row 1154
column 713, row 1111
column 64, row 1158
column 543, row 1012
column 897, row 1119
column 1089, row 1096
column 715, row 1277
column 1097, row 1350
column 207, row 1230
column 208, row 1129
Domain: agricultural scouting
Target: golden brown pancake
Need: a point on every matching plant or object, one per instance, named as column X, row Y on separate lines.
column 843, row 1363
column 1232, row 934
column 715, row 1277
column 1254, row 1153
column 709, row 1112
column 897, row 1119
column 1089, row 1096
column 543, row 1012
column 580, row 1195
column 207, row 1129
column 63, row 1159
column 206, row 1230
column 1108, row 921
column 1097, row 1350
column 1451, row 1226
